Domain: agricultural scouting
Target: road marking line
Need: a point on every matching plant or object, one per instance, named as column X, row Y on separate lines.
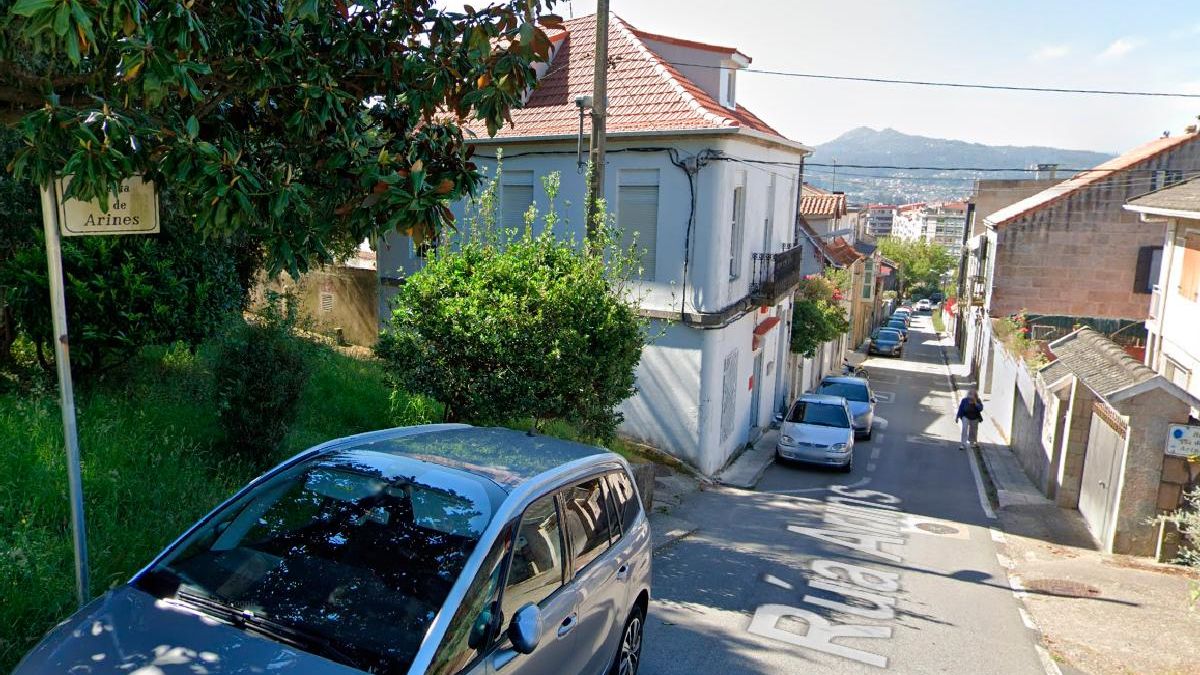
column 870, row 466
column 998, row 536
column 884, row 396
column 876, row 451
column 983, row 498
column 776, row 581
column 1026, row 619
column 858, row 483
column 1005, row 561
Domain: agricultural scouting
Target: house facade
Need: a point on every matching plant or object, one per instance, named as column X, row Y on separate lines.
column 1173, row 323
column 879, row 219
column 709, row 190
column 825, row 211
column 1071, row 254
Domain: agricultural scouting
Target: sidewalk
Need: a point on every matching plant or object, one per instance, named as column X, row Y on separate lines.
column 749, row 467
column 1098, row 613
column 670, row 489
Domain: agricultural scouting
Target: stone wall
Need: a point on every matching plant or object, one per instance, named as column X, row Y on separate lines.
column 336, row 301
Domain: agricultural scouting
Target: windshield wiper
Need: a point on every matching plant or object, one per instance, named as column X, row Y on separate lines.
column 281, row 632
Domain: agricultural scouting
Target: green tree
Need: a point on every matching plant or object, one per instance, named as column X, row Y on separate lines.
column 922, row 263
column 306, row 125
column 817, row 316
column 501, row 326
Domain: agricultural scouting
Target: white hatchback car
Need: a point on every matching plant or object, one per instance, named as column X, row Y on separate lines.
column 817, row 429
column 923, row 305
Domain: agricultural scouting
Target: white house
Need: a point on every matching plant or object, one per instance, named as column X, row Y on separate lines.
column 1173, row 349
column 711, row 191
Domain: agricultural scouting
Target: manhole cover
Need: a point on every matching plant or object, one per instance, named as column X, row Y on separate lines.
column 934, row 528
column 1063, row 587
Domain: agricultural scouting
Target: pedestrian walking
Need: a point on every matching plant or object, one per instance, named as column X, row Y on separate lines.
column 970, row 414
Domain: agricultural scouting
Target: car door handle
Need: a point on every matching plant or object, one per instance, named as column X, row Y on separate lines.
column 568, row 625
column 623, row 573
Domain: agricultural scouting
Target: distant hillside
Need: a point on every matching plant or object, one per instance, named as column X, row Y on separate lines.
column 892, row 148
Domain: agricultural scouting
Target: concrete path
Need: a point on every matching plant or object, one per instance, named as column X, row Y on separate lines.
column 893, row 566
column 749, row 467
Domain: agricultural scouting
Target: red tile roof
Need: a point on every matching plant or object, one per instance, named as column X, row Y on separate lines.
column 843, row 253
column 1081, row 180
column 645, row 93
column 818, row 203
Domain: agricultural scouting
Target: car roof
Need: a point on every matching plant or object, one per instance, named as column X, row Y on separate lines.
column 822, row 398
column 507, row 457
column 844, row 379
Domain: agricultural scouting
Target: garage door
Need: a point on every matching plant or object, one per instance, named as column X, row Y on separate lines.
column 1100, row 488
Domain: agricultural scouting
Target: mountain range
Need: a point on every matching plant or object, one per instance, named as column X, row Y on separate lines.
column 867, row 147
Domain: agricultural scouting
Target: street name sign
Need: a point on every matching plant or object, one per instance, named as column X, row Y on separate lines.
column 132, row 210
column 1183, row 440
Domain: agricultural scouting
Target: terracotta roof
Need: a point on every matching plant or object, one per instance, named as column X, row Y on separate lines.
column 1079, row 181
column 819, row 203
column 647, row 35
column 645, row 93
column 1181, row 197
column 843, row 253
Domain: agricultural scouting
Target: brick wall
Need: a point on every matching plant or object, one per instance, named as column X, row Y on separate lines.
column 1078, row 256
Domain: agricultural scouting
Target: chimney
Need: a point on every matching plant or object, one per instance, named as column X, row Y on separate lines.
column 1190, row 129
column 1046, row 171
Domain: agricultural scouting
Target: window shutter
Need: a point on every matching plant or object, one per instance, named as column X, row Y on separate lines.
column 515, row 197
column 728, row 394
column 1142, row 283
column 637, row 216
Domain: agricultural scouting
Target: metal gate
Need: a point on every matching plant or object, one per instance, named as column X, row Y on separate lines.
column 1100, row 486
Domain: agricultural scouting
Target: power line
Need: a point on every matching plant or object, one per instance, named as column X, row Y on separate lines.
column 956, row 85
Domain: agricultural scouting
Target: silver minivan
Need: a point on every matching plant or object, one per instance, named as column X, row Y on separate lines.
column 439, row 549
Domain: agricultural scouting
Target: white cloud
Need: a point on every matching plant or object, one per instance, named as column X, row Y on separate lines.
column 1188, row 31
column 1120, row 47
column 1049, row 52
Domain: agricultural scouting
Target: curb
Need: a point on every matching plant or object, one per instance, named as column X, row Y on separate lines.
column 753, row 481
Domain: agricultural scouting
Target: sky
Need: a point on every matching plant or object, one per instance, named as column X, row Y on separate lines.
column 1151, row 45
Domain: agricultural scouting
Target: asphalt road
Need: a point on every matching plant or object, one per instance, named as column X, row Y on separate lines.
column 889, row 567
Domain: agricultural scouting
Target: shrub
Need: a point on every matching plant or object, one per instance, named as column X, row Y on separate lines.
column 499, row 326
column 259, row 375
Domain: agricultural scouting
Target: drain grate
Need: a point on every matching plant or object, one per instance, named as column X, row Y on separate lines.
column 935, row 528
column 1063, row 587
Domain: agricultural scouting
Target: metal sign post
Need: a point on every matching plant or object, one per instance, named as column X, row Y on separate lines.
column 133, row 209
column 58, row 308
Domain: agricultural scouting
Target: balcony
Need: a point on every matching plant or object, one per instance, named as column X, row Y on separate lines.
column 1156, row 298
column 775, row 274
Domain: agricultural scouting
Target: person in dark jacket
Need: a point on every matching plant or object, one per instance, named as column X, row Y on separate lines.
column 970, row 414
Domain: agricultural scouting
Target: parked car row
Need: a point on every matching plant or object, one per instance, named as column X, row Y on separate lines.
column 821, row 427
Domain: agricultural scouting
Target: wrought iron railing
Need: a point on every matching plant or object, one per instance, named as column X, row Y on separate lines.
column 775, row 274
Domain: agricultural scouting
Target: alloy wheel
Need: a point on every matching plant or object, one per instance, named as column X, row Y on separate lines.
column 631, row 647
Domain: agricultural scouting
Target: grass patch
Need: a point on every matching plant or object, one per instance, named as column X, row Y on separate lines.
column 152, row 464
column 939, row 323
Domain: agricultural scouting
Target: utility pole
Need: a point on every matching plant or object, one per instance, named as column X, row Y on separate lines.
column 599, row 110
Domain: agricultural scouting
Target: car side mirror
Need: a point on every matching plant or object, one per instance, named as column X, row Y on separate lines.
column 779, row 417
column 874, row 400
column 525, row 631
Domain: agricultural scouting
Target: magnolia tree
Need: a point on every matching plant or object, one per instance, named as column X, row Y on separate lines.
column 305, row 125
column 500, row 326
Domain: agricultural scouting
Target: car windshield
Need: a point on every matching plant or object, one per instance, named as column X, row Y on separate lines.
column 356, row 552
column 896, row 323
column 886, row 335
column 851, row 391
column 819, row 414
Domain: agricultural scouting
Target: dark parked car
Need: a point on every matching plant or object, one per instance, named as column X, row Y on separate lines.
column 439, row 549
column 900, row 326
column 887, row 342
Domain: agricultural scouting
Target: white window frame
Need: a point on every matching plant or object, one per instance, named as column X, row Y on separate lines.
column 737, row 227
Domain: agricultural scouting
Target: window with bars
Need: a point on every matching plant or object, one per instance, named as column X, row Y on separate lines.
column 516, row 194
column 637, row 214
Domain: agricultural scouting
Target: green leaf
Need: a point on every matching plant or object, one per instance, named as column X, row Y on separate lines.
column 28, row 8
column 193, row 127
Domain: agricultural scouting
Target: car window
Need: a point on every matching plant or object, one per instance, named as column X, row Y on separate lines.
column 819, row 414
column 587, row 519
column 851, row 391
column 478, row 617
column 886, row 334
column 625, row 498
column 537, row 566
column 343, row 551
